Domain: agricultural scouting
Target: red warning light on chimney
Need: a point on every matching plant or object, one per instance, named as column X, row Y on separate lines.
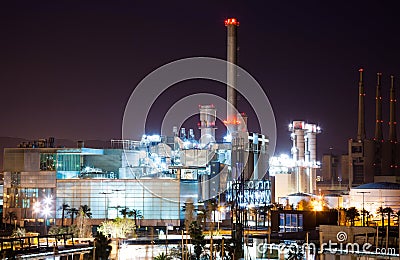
column 231, row 21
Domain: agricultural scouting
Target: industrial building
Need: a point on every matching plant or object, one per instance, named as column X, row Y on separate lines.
column 138, row 175
column 298, row 173
column 130, row 175
column 375, row 159
column 368, row 160
column 371, row 163
column 368, row 176
column 155, row 175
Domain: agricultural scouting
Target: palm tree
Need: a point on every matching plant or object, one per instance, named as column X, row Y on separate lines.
column 82, row 221
column 382, row 212
column 64, row 207
column 197, row 238
column 19, row 232
column 189, row 214
column 351, row 214
column 366, row 214
column 124, row 212
column 85, row 211
column 135, row 213
column 162, row 256
column 388, row 211
column 211, row 207
column 73, row 212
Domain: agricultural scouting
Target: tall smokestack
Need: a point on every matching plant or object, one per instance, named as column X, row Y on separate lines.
column 232, row 25
column 392, row 122
column 378, row 110
column 361, row 117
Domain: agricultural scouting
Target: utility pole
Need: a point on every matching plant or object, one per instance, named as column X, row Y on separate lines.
column 363, row 210
column 183, row 254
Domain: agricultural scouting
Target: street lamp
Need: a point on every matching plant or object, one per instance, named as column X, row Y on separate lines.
column 105, row 203
column 220, row 210
column 363, row 210
column 118, row 206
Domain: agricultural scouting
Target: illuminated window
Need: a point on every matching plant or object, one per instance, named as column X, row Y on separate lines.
column 290, row 222
column 47, row 162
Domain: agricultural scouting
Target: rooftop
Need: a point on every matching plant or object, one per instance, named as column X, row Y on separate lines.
column 380, row 185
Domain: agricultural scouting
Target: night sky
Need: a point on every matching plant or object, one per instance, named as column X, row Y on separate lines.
column 67, row 68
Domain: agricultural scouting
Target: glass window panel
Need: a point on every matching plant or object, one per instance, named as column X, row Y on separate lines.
column 281, row 222
column 300, row 222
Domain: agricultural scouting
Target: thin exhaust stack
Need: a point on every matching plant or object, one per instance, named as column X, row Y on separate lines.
column 392, row 122
column 361, row 115
column 231, row 96
column 378, row 110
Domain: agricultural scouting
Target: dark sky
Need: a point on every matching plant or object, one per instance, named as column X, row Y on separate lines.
column 67, row 68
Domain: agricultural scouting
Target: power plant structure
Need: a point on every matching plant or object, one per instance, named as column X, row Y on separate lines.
column 368, row 160
column 304, row 153
column 231, row 121
column 208, row 116
column 374, row 159
column 297, row 174
column 156, row 175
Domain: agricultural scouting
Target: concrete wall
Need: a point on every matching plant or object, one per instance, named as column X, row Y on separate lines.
column 354, row 234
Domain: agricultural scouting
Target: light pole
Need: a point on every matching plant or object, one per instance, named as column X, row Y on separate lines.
column 106, row 203
column 220, row 210
column 166, row 240
column 338, row 210
column 363, row 210
column 118, row 206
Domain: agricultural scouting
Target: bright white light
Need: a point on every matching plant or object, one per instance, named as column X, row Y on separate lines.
column 228, row 138
column 46, row 211
column 150, row 138
column 154, row 138
column 281, row 164
column 48, row 200
column 251, row 206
